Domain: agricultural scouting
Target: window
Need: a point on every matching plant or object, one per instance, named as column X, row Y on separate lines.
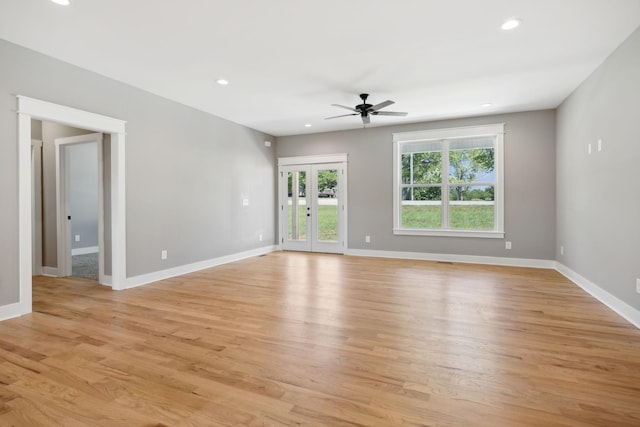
column 449, row 182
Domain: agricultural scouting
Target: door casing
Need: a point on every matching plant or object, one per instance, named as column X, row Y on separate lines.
column 28, row 109
column 36, row 206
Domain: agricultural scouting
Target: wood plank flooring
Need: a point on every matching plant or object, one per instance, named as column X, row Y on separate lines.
column 312, row 339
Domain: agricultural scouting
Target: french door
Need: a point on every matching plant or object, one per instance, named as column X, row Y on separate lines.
column 312, row 207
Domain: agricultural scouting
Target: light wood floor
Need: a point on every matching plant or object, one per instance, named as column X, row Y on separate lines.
column 304, row 339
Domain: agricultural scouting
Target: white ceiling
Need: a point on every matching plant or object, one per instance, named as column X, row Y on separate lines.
column 288, row 60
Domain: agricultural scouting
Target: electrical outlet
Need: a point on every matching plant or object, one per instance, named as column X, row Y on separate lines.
column 260, row 237
column 638, row 286
column 367, row 239
column 77, row 238
column 245, row 202
column 600, row 145
column 589, row 149
column 163, row 255
column 507, row 245
column 561, row 250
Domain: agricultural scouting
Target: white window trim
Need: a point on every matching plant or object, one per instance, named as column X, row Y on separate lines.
column 436, row 134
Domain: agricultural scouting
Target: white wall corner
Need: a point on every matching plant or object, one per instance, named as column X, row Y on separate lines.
column 614, row 303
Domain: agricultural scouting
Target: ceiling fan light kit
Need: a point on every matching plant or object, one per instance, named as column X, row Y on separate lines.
column 365, row 110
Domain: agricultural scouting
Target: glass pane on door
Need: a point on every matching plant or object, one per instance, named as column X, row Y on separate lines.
column 327, row 214
column 297, row 205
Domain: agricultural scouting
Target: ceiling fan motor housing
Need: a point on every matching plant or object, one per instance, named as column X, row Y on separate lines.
column 364, row 107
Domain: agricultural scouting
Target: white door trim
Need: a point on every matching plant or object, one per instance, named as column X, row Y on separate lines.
column 36, row 203
column 313, row 160
column 63, row 207
column 29, row 108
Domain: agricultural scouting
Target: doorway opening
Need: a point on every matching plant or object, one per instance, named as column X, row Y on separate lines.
column 79, row 206
column 313, row 195
column 28, row 109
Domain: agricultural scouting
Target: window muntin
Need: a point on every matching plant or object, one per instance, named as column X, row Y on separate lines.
column 467, row 199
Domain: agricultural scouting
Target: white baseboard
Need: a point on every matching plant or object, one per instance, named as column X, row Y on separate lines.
column 468, row 259
column 614, row 303
column 107, row 280
column 85, row 251
column 144, row 279
column 50, row 271
column 13, row 310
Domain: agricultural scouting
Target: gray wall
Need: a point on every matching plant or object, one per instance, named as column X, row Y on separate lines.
column 598, row 195
column 83, row 189
column 529, row 186
column 36, row 129
column 187, row 172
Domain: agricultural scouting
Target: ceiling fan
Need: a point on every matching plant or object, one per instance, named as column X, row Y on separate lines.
column 365, row 110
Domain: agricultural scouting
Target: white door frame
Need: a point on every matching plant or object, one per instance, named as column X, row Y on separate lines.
column 285, row 162
column 63, row 202
column 36, row 203
column 28, row 109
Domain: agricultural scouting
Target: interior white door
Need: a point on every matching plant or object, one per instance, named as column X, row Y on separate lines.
column 312, row 207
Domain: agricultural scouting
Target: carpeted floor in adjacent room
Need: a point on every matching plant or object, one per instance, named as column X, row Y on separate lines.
column 85, row 266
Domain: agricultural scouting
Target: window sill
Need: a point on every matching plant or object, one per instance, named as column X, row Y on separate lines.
column 488, row 234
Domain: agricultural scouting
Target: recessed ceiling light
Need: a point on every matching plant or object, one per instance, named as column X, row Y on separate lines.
column 488, row 104
column 222, row 82
column 308, row 125
column 62, row 2
column 510, row 24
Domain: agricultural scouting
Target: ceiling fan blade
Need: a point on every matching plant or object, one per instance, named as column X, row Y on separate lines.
column 380, row 105
column 366, row 120
column 388, row 113
column 342, row 115
column 344, row 106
